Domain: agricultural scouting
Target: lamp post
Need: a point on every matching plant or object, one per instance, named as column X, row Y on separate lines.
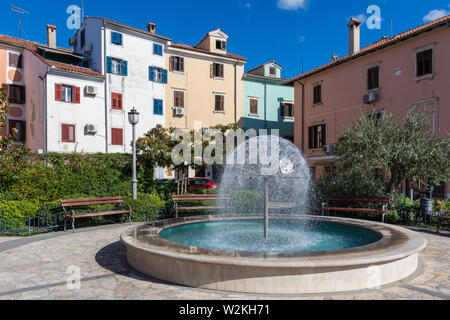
column 133, row 118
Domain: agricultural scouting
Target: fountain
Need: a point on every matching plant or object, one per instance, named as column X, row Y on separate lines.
column 266, row 241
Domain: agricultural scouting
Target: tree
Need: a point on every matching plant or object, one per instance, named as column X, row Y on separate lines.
column 380, row 147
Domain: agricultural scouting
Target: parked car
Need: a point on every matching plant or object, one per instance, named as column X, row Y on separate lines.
column 201, row 183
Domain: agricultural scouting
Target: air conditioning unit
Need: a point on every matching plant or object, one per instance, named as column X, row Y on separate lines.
column 91, row 90
column 72, row 41
column 370, row 97
column 179, row 111
column 91, row 129
column 328, row 149
column 88, row 48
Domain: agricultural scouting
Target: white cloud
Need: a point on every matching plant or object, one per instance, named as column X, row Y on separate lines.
column 292, row 4
column 361, row 17
column 435, row 14
column 301, row 39
column 248, row 5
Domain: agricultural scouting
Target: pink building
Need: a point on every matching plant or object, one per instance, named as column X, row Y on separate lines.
column 409, row 70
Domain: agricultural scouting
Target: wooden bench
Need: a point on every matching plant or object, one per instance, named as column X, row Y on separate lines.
column 441, row 218
column 365, row 199
column 177, row 199
column 69, row 213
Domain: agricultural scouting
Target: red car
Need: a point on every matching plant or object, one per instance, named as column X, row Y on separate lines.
column 201, row 183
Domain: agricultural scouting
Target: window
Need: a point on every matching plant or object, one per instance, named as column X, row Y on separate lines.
column 287, row 110
column 20, row 126
column 177, row 64
column 178, row 99
column 116, row 66
column 219, row 105
column 217, row 70
column 16, row 94
column 317, row 94
column 15, row 60
column 116, row 38
column 272, row 71
column 317, row 136
column 157, row 75
column 67, row 93
column 373, row 78
column 158, row 107
column 83, row 38
column 116, row 99
column 254, row 106
column 68, row 133
column 424, row 63
column 116, row 137
column 221, row 45
column 157, row 49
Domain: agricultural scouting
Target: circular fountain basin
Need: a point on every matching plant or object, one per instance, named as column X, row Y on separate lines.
column 306, row 254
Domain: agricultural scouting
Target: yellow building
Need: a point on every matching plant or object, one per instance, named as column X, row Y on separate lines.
column 204, row 84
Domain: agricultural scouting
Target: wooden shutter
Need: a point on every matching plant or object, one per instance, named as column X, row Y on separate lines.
column 76, row 95
column 171, row 63
column 164, row 76
column 253, row 106
column 213, row 70
column 181, row 64
column 13, row 59
column 68, row 133
column 151, row 73
column 58, row 92
column 124, row 68
column 108, row 64
column 117, row 137
column 179, row 99
column 324, row 135
column 222, row 71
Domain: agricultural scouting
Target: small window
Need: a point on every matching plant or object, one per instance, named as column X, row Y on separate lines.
column 177, row 64
column 16, row 94
column 217, row 70
column 219, row 105
column 117, row 99
column 20, row 126
column 157, row 49
column 373, row 78
column 317, row 136
column 221, row 45
column 15, row 60
column 68, row 133
column 273, row 71
column 116, row 38
column 317, row 94
column 157, row 75
column 178, row 99
column 287, row 110
column 67, row 93
column 424, row 63
column 254, row 106
column 158, row 107
column 116, row 137
column 117, row 66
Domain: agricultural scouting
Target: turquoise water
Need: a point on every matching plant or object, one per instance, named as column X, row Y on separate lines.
column 285, row 236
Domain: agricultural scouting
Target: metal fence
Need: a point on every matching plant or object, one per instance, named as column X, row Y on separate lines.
column 28, row 226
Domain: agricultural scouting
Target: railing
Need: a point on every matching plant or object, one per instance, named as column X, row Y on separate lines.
column 28, row 226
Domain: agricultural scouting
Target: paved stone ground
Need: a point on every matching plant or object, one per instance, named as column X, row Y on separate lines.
column 36, row 268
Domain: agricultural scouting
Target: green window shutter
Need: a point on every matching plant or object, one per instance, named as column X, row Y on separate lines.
column 124, row 68
column 108, row 64
column 164, row 76
column 151, row 73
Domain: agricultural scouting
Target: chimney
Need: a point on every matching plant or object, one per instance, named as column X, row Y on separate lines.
column 151, row 27
column 51, row 36
column 355, row 35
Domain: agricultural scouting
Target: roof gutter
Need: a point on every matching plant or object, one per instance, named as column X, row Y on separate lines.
column 106, row 89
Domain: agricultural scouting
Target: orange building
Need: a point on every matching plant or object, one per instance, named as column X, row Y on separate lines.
column 409, row 70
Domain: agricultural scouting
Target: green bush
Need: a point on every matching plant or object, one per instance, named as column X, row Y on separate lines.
column 17, row 209
column 146, row 206
column 404, row 209
column 247, row 201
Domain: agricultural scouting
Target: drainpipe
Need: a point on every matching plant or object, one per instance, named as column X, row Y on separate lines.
column 303, row 115
column 265, row 106
column 44, row 102
column 106, row 88
column 235, row 91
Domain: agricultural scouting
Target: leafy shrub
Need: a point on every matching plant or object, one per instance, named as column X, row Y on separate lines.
column 145, row 206
column 443, row 205
column 404, row 210
column 17, row 209
column 247, row 201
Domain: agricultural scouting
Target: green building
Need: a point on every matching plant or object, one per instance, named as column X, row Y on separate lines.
column 269, row 104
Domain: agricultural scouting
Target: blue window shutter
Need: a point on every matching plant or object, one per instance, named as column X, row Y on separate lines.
column 151, row 73
column 119, row 38
column 164, row 76
column 116, row 38
column 124, row 68
column 108, row 64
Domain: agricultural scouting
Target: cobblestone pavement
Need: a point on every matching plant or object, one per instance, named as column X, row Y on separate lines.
column 6, row 239
column 38, row 270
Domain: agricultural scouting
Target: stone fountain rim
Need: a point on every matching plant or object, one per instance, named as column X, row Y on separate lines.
column 397, row 243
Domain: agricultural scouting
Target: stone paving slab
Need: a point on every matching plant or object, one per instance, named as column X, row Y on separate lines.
column 39, row 270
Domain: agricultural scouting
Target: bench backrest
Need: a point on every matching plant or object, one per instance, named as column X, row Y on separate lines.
column 90, row 202
column 366, row 199
column 199, row 197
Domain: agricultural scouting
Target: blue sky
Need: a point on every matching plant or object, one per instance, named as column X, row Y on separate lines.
column 288, row 31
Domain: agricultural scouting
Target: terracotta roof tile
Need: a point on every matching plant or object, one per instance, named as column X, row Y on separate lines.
column 375, row 46
column 229, row 55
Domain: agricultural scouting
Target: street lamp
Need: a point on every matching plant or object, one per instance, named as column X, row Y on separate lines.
column 133, row 118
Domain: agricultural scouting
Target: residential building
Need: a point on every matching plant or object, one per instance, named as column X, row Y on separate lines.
column 396, row 74
column 204, row 83
column 49, row 101
column 269, row 104
column 133, row 61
